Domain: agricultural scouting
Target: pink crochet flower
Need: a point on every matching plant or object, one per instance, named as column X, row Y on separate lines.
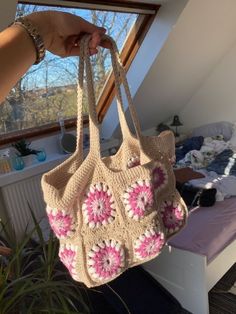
column 61, row 222
column 172, row 215
column 149, row 244
column 138, row 199
column 159, row 177
column 105, row 260
column 98, row 207
column 67, row 254
column 133, row 161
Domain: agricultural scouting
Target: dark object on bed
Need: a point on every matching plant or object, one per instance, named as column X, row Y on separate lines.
column 162, row 127
column 141, row 293
column 207, row 197
column 194, row 196
column 224, row 163
column 188, row 145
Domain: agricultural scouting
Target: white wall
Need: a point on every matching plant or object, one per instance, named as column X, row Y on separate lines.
column 164, row 22
column 7, row 12
column 202, row 35
column 215, row 99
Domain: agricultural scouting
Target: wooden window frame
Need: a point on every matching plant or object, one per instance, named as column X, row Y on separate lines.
column 132, row 44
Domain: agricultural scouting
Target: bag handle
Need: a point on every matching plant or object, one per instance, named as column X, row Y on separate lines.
column 93, row 120
column 166, row 139
column 80, row 93
column 95, row 148
column 120, row 78
column 84, row 63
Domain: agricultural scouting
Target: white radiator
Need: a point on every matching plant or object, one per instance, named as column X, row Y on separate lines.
column 17, row 198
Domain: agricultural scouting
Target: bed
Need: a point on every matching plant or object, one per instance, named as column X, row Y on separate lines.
column 197, row 257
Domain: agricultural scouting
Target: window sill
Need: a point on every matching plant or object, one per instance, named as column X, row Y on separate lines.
column 32, row 170
column 53, row 159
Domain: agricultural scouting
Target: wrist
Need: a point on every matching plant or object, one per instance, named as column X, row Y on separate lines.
column 35, row 35
column 42, row 22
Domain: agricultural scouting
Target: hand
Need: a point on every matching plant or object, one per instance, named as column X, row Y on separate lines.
column 62, row 31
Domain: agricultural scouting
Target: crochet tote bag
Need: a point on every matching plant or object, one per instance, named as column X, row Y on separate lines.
column 115, row 212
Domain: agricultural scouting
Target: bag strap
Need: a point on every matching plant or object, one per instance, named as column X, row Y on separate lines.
column 165, row 141
column 80, row 93
column 85, row 64
column 95, row 148
column 120, row 79
column 93, row 119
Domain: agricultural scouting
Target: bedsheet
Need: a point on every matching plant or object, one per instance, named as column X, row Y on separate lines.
column 225, row 185
column 209, row 229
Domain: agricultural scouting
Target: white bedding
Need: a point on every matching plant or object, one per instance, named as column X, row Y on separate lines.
column 225, row 185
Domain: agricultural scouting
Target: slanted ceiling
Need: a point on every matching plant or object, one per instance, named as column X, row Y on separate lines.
column 204, row 32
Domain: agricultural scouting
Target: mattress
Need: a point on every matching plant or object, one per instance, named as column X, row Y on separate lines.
column 209, row 229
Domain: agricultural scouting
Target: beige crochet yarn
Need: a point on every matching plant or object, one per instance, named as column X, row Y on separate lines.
column 116, row 212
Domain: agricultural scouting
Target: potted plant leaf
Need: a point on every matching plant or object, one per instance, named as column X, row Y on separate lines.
column 24, row 151
column 32, row 278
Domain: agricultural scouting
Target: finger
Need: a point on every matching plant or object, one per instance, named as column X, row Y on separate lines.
column 93, row 51
column 105, row 43
column 75, row 51
column 96, row 40
column 72, row 44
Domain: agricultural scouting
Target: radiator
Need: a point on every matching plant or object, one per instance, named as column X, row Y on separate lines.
column 18, row 198
column 21, row 196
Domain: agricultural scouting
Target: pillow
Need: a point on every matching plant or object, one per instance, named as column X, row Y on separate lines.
column 224, row 163
column 214, row 129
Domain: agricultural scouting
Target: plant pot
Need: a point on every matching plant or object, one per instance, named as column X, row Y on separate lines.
column 28, row 160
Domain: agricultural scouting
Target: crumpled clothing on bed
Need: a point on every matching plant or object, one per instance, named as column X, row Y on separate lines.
column 193, row 143
column 202, row 157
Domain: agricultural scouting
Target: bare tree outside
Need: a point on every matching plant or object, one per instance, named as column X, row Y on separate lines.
column 48, row 90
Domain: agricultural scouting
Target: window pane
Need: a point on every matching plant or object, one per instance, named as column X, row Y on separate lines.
column 48, row 90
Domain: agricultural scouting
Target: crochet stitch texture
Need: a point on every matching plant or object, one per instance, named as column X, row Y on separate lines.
column 114, row 212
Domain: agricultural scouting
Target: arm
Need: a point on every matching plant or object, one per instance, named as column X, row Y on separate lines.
column 60, row 32
column 17, row 54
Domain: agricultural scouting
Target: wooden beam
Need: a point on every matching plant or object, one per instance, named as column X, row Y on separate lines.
column 121, row 3
column 128, row 53
column 38, row 132
column 117, row 5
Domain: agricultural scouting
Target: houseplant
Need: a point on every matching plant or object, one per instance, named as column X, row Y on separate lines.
column 24, row 151
column 32, row 278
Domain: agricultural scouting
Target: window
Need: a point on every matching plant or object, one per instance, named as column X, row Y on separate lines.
column 48, row 90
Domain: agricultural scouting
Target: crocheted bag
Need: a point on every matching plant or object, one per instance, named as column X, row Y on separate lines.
column 115, row 212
